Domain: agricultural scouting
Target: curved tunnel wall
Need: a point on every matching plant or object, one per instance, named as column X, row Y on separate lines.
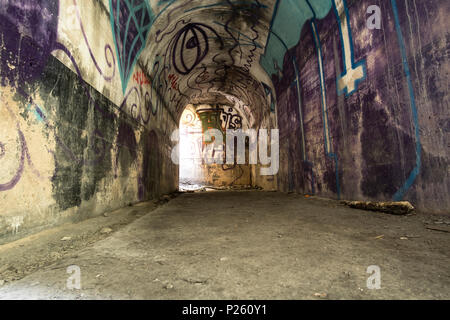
column 72, row 144
column 381, row 133
column 89, row 101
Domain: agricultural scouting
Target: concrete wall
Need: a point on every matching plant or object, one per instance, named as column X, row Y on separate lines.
column 384, row 136
column 77, row 137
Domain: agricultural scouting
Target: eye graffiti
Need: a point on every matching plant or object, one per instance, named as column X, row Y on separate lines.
column 192, row 37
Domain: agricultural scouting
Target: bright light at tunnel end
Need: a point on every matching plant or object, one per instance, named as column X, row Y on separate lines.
column 216, row 151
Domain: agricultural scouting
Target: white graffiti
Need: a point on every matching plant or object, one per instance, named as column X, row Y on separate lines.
column 353, row 72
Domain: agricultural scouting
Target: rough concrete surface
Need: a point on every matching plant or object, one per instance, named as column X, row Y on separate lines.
column 24, row 256
column 244, row 245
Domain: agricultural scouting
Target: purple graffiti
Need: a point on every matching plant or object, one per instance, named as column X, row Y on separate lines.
column 108, row 50
column 25, row 57
column 60, row 46
column 24, row 153
column 136, row 110
column 16, row 178
column 100, row 152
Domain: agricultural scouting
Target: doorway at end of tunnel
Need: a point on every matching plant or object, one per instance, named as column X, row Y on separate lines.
column 195, row 173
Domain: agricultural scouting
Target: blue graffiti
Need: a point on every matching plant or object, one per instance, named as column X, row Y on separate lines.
column 326, row 128
column 38, row 112
column 130, row 23
column 353, row 72
column 415, row 172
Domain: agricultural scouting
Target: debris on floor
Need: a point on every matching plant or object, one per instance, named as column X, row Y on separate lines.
column 397, row 208
column 106, row 230
column 441, row 229
column 440, row 221
column 411, row 236
column 168, row 285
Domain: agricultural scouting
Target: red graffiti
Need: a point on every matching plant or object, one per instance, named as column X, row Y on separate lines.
column 140, row 78
column 173, row 81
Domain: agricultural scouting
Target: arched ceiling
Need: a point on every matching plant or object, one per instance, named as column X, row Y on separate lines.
column 210, row 49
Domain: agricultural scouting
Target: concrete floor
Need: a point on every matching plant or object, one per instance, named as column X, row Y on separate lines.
column 244, row 245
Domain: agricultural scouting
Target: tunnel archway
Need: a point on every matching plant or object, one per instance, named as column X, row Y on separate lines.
column 197, row 151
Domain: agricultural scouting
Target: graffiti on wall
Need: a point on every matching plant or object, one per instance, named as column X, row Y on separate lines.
column 29, row 30
column 192, row 57
column 130, row 23
column 353, row 72
column 140, row 78
column 23, row 61
column 331, row 84
column 176, row 50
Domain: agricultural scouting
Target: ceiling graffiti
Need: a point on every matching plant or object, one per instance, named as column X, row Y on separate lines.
column 189, row 49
